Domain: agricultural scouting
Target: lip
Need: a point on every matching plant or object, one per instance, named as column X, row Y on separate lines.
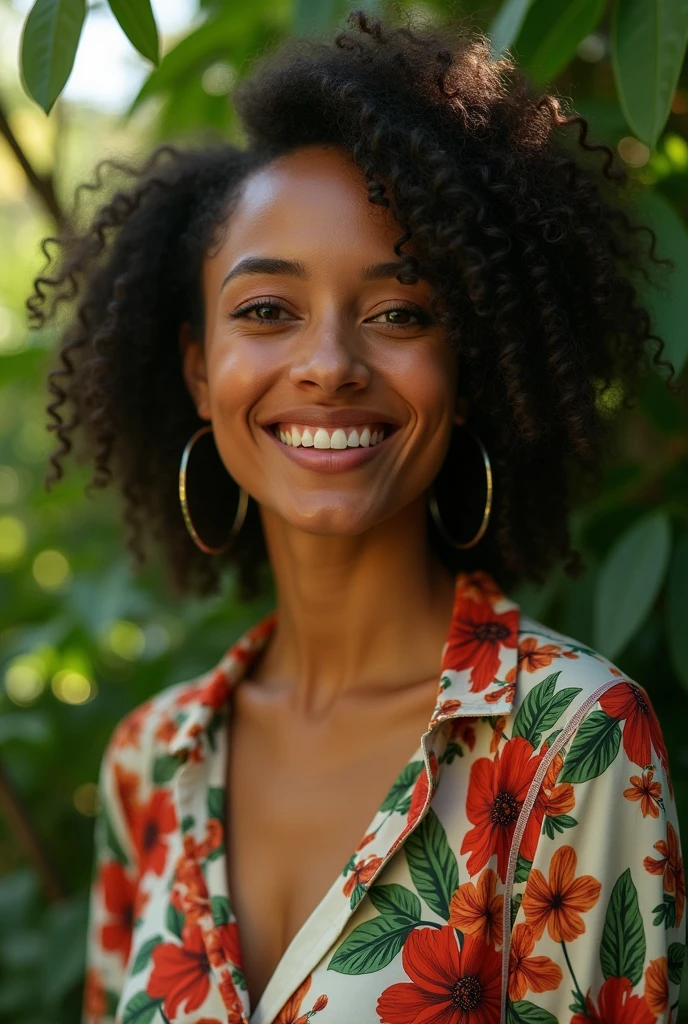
column 322, row 416
column 329, row 460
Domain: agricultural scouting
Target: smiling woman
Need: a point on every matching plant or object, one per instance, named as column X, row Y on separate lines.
column 368, row 354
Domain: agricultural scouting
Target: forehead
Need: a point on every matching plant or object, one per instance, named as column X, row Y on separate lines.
column 313, row 198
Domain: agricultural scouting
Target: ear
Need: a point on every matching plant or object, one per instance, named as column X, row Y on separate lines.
column 194, row 370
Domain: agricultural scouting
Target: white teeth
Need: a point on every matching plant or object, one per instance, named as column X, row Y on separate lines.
column 320, row 438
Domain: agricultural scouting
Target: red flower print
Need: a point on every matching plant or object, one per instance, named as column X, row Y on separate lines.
column 153, row 824
column 181, row 974
column 476, row 635
column 95, row 999
column 291, row 1011
column 216, row 691
column 646, row 791
column 497, row 730
column 532, row 657
column 222, row 944
column 463, row 730
column 478, row 586
column 235, row 1013
column 560, row 799
column 119, row 894
column 478, row 910
column 537, row 973
column 558, row 903
column 448, row 985
column 214, row 834
column 657, row 985
column 641, row 732
column 616, row 1006
column 671, row 866
column 420, row 791
column 189, row 893
column 502, row 693
column 166, row 729
column 128, row 732
column 362, row 873
column 496, row 791
column 127, row 784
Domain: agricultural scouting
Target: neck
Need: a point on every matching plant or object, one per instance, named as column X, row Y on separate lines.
column 355, row 613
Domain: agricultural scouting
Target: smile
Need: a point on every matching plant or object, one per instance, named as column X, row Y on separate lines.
column 339, row 438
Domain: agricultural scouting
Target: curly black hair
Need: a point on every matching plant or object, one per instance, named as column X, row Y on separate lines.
column 531, row 250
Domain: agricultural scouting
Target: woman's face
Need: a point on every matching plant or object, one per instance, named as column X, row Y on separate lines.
column 308, row 332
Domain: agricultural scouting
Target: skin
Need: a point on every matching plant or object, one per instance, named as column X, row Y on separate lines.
column 354, row 574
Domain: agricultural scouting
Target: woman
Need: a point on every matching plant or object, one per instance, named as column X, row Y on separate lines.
column 396, row 798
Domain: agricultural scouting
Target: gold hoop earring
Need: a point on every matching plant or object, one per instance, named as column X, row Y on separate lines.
column 432, row 501
column 240, row 512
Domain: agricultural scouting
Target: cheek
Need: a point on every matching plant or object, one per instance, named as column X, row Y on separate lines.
column 237, row 378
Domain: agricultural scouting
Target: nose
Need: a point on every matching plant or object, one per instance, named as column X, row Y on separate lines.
column 328, row 359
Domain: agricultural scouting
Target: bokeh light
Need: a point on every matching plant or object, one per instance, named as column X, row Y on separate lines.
column 25, row 679
column 10, row 487
column 125, row 639
column 50, row 569
column 13, row 541
column 86, row 799
column 72, row 687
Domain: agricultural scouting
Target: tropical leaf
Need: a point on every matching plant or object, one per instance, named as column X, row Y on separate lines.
column 432, row 864
column 648, row 40
column 507, row 24
column 594, row 748
column 174, row 920
column 406, row 778
column 216, row 802
column 372, row 945
column 48, row 47
column 221, row 910
column 524, row 1012
column 622, row 949
column 396, row 900
column 677, row 953
column 629, row 581
column 551, row 33
column 141, row 1009
column 542, row 708
column 165, row 767
column 144, row 954
column 137, row 21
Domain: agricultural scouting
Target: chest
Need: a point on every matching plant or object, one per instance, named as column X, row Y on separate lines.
column 299, row 800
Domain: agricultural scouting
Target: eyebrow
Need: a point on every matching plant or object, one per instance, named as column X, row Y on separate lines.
column 293, row 268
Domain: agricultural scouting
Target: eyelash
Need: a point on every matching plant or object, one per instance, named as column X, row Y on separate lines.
column 423, row 318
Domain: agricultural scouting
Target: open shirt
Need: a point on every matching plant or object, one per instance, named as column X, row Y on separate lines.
column 524, row 867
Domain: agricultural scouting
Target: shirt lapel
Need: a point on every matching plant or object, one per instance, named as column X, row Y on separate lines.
column 477, row 678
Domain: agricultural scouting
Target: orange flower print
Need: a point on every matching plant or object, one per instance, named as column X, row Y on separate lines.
column 476, row 635
column 128, row 732
column 657, row 985
column 496, row 791
column 291, row 1011
column 502, row 693
column 95, row 999
column 641, row 732
column 367, row 838
column 478, row 586
column 616, row 1005
column 362, row 873
column 235, row 1013
column 646, row 791
column 478, row 910
column 533, row 657
column 671, row 866
column 127, row 784
column 448, row 985
column 119, row 894
column 166, row 729
column 153, row 824
column 537, row 973
column 181, row 974
column 558, row 903
column 463, row 730
column 561, row 798
column 497, row 731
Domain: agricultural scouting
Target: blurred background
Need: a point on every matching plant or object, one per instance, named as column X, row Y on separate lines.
column 82, row 640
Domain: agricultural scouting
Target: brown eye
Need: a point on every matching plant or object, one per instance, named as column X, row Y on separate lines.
column 399, row 316
column 267, row 312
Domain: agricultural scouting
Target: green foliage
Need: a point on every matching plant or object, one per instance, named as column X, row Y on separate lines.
column 124, row 639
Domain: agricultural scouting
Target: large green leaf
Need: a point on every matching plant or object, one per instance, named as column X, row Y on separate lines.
column 395, row 900
column 593, row 750
column 141, row 1009
column 525, row 1012
column 677, row 953
column 506, row 24
column 48, row 47
column 629, row 580
column 407, row 777
column 648, row 39
column 372, row 945
column 432, row 864
column 622, row 949
column 144, row 954
column 542, row 708
column 551, row 33
column 669, row 305
column 677, row 609
column 137, row 21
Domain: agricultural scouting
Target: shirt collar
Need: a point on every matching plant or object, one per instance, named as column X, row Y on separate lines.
column 478, row 667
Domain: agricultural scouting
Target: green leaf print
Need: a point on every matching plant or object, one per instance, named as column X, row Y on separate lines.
column 432, row 864
column 542, row 708
column 666, row 912
column 593, row 750
column 622, row 950
column 144, row 954
column 164, row 768
column 524, row 1012
column 111, row 841
column 141, row 1009
column 557, row 823
column 515, row 906
column 677, row 952
column 188, row 823
column 216, row 802
column 407, row 777
column 396, row 900
column 221, row 910
column 357, row 895
column 174, row 921
column 372, row 945
column 523, row 867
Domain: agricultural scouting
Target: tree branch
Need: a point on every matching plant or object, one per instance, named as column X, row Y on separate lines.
column 23, row 828
column 42, row 186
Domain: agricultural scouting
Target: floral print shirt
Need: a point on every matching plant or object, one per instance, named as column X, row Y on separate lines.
column 525, row 866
